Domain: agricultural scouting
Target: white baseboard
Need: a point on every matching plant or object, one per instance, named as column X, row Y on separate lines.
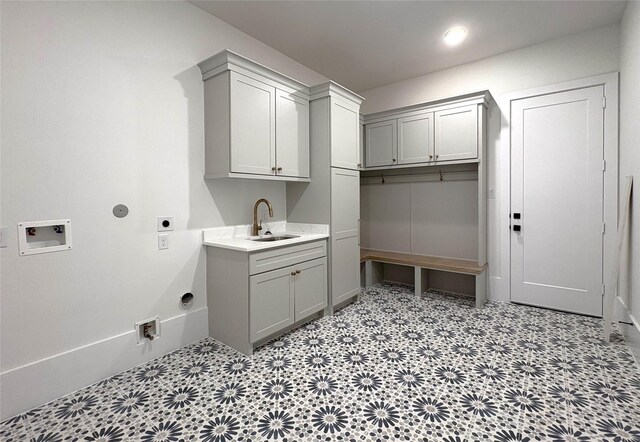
column 42, row 381
column 630, row 327
column 631, row 333
column 497, row 290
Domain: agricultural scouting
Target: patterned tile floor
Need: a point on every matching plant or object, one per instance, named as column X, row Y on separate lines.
column 389, row 367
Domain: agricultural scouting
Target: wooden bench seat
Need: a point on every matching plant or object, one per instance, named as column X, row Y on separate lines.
column 426, row 262
column 420, row 262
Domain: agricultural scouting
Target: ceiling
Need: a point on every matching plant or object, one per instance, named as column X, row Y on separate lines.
column 367, row 44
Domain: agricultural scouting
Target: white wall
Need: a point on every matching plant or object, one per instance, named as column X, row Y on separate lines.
column 581, row 55
column 630, row 156
column 102, row 104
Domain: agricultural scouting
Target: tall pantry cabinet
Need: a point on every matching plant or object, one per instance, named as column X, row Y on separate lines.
column 333, row 195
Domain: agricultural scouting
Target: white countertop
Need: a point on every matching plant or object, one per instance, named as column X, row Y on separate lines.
column 237, row 237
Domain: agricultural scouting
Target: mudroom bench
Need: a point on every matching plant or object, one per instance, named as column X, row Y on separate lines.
column 373, row 260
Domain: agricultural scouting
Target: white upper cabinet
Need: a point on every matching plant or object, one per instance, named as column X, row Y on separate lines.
column 256, row 121
column 456, row 133
column 415, row 139
column 443, row 132
column 345, row 132
column 381, row 143
column 340, row 115
column 252, row 106
column 292, row 135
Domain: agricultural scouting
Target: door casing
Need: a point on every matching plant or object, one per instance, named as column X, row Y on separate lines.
column 500, row 284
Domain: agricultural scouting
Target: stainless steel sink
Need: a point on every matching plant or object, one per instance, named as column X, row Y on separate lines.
column 273, row 238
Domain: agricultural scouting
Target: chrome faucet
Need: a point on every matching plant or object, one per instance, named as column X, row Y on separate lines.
column 257, row 226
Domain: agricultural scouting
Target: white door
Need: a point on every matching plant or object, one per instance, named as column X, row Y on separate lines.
column 345, row 132
column 381, row 143
column 557, row 200
column 456, row 133
column 415, row 139
column 292, row 135
column 345, row 234
column 252, row 126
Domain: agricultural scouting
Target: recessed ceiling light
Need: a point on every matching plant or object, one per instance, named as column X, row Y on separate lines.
column 454, row 36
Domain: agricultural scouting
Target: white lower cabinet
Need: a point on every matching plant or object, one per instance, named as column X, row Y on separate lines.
column 310, row 288
column 253, row 296
column 270, row 303
column 281, row 297
column 345, row 235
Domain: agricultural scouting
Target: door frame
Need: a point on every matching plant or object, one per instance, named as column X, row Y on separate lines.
column 610, row 206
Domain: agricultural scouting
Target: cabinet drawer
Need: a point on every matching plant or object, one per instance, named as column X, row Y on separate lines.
column 286, row 256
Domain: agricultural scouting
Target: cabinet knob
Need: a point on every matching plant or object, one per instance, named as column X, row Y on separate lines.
column 273, row 169
column 279, row 169
column 293, row 273
column 437, row 156
column 394, row 160
column 430, row 157
column 359, row 164
column 297, row 272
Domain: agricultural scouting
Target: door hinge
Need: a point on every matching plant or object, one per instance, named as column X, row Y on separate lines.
column 604, row 165
column 604, row 102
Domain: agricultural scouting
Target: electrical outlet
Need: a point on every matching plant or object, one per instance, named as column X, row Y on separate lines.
column 163, row 241
column 492, row 192
column 165, row 223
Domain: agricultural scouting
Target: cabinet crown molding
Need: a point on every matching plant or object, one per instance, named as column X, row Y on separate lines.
column 481, row 97
column 230, row 61
column 332, row 88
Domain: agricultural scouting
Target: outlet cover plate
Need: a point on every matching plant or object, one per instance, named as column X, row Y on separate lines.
column 163, row 241
column 161, row 227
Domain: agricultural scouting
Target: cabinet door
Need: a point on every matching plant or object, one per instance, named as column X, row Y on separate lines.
column 456, row 133
column 345, row 234
column 292, row 135
column 270, row 303
column 361, row 145
column 381, row 144
column 345, row 132
column 310, row 287
column 345, row 268
column 252, row 126
column 415, row 139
